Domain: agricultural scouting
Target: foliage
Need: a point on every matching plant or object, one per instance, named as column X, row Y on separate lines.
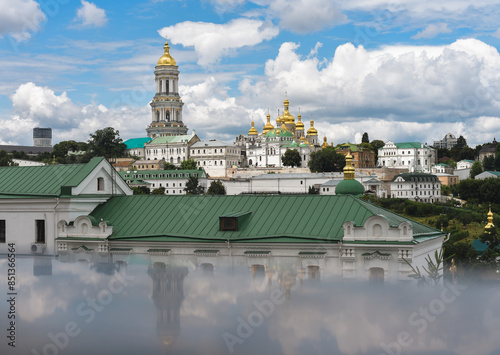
column 188, row 164
column 193, row 186
column 497, row 158
column 480, row 191
column 61, row 149
column 140, row 190
column 433, row 270
column 6, row 159
column 158, row 191
column 443, row 152
column 365, row 138
column 169, row 166
column 489, row 163
column 106, row 142
column 326, row 160
column 313, row 190
column 291, row 158
column 216, row 188
column 476, row 169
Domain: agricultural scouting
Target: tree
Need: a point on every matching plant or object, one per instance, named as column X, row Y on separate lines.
column 476, row 169
column 497, row 158
column 326, row 160
column 140, row 190
column 489, row 163
column 443, row 152
column 193, row 186
column 169, row 166
column 5, row 159
column 216, row 188
column 106, row 143
column 365, row 138
column 376, row 145
column 291, row 158
column 158, row 191
column 189, row 164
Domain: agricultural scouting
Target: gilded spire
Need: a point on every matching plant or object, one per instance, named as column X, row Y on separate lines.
column 166, row 58
column 490, row 221
column 325, row 143
column 253, row 130
column 268, row 126
column 348, row 169
column 312, row 131
column 300, row 125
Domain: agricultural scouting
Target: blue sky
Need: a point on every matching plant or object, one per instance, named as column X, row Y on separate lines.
column 401, row 72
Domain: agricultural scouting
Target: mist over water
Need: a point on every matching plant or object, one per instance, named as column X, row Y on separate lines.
column 169, row 305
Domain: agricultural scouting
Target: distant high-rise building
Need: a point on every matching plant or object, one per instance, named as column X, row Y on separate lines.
column 448, row 142
column 42, row 137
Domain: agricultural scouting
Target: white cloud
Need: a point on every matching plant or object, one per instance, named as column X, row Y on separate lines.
column 40, row 106
column 212, row 41
column 304, row 16
column 20, row 18
column 89, row 15
column 432, row 31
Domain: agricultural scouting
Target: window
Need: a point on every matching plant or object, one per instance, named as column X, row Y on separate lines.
column 40, row 231
column 228, row 224
column 100, row 184
column 2, row 231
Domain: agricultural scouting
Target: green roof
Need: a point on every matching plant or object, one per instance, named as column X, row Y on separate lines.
column 46, row 181
column 128, row 175
column 406, row 145
column 349, row 187
column 276, row 218
column 278, row 132
column 171, row 139
column 136, row 142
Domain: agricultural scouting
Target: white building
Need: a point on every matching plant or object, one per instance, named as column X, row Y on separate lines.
column 171, row 149
column 36, row 199
column 464, row 164
column 448, row 142
column 414, row 156
column 173, row 181
column 487, row 174
column 417, row 187
column 22, row 162
column 216, row 157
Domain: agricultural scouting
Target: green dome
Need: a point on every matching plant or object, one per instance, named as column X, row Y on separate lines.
column 349, row 187
column 278, row 132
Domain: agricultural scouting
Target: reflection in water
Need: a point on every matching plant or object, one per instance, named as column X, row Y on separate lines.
column 193, row 305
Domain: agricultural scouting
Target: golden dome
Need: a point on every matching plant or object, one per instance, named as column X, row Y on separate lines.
column 490, row 221
column 325, row 143
column 268, row 126
column 348, row 169
column 166, row 58
column 312, row 131
column 253, row 130
column 300, row 125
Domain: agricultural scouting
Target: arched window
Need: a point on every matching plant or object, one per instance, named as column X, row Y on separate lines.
column 160, row 86
column 377, row 230
column 168, row 116
column 167, row 86
column 157, row 116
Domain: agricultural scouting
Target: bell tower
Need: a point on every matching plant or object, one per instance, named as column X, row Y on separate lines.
column 167, row 105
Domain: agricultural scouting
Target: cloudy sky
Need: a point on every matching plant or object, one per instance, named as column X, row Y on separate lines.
column 401, row 71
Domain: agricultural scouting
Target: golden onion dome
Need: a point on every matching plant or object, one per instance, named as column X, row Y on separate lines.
column 490, row 221
column 300, row 125
column 312, row 131
column 348, row 169
column 166, row 58
column 325, row 143
column 268, row 126
column 253, row 130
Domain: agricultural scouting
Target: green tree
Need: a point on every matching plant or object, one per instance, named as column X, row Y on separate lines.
column 291, row 158
column 158, row 191
column 6, row 159
column 193, row 186
column 376, row 145
column 365, row 138
column 476, row 169
column 188, row 164
column 169, row 166
column 326, row 160
column 497, row 158
column 106, row 143
column 443, row 152
column 216, row 188
column 489, row 163
column 140, row 190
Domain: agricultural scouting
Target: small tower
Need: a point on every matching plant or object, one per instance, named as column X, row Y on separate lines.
column 312, row 134
column 42, row 137
column 299, row 127
column 253, row 131
column 349, row 186
column 268, row 126
column 325, row 143
column 490, row 225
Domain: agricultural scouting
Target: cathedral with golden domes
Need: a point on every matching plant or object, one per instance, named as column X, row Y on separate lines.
column 265, row 149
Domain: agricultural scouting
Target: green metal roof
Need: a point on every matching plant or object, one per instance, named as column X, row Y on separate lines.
column 136, row 142
column 128, row 175
column 278, row 132
column 285, row 218
column 46, row 181
column 406, row 145
column 172, row 139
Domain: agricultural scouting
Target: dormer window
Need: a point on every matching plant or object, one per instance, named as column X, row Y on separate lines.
column 100, row 184
column 228, row 223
